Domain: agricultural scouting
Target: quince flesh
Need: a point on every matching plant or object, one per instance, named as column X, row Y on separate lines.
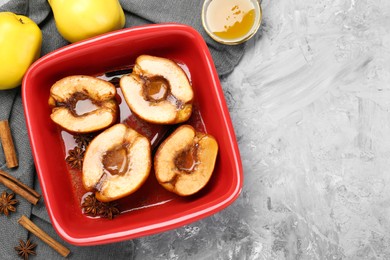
column 67, row 93
column 116, row 163
column 185, row 161
column 158, row 91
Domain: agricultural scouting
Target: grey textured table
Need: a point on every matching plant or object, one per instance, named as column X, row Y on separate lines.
column 310, row 105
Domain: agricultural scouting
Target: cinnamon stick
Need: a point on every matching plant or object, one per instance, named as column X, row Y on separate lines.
column 8, row 145
column 30, row 226
column 20, row 188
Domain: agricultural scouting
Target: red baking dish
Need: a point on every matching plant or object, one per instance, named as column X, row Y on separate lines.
column 155, row 209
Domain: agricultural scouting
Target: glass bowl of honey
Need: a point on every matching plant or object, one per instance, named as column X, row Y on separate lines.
column 231, row 21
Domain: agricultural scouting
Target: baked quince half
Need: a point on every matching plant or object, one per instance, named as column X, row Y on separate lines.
column 158, row 91
column 83, row 104
column 116, row 163
column 185, row 161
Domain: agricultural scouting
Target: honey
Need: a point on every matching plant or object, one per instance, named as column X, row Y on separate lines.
column 115, row 161
column 231, row 21
column 156, row 88
column 186, row 160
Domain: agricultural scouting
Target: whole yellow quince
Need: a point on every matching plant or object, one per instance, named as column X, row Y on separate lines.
column 81, row 19
column 20, row 46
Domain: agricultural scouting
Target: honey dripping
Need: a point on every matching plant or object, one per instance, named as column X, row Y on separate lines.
column 230, row 19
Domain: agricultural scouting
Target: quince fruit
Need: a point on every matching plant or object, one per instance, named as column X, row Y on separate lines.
column 20, row 46
column 83, row 104
column 185, row 161
column 82, row 19
column 158, row 91
column 116, row 163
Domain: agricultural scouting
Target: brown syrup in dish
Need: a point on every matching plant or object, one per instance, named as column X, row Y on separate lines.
column 186, row 160
column 115, row 161
column 150, row 194
column 156, row 89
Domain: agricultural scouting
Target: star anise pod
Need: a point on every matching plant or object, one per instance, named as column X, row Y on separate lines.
column 108, row 210
column 83, row 140
column 91, row 205
column 75, row 158
column 25, row 249
column 7, row 203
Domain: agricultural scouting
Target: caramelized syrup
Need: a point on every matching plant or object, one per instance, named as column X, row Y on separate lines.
column 156, row 89
column 115, row 161
column 186, row 160
column 151, row 194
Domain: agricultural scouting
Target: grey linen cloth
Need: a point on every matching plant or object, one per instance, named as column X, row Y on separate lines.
column 137, row 12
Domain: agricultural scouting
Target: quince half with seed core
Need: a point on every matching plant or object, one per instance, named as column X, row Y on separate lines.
column 83, row 104
column 158, row 91
column 116, row 163
column 185, row 161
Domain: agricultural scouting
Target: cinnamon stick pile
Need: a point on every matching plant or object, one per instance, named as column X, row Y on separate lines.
column 12, row 161
column 22, row 189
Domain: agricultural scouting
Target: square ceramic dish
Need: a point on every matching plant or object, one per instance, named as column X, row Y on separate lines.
column 151, row 215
